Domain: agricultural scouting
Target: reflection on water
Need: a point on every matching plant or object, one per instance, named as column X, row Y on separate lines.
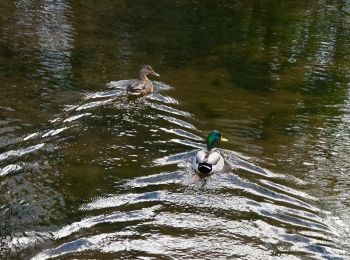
column 86, row 171
column 54, row 36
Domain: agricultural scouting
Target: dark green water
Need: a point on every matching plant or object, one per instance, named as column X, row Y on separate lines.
column 86, row 172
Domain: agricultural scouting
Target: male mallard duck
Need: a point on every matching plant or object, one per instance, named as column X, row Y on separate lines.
column 143, row 85
column 209, row 160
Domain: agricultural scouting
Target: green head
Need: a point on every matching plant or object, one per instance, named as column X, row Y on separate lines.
column 213, row 138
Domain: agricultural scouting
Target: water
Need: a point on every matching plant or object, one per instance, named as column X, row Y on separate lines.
column 87, row 172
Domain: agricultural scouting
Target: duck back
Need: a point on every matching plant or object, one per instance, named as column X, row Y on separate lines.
column 138, row 87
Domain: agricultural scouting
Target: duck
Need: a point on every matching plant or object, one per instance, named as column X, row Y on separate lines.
column 209, row 160
column 143, row 85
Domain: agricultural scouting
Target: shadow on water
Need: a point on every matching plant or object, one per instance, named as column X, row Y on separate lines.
column 156, row 205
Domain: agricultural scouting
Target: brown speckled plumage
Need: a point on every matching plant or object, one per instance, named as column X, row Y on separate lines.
column 143, row 85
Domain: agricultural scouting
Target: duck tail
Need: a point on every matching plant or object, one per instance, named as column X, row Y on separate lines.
column 205, row 168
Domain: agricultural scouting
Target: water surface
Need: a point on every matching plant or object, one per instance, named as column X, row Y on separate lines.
column 86, row 171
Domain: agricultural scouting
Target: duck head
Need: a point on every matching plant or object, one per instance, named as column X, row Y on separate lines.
column 145, row 71
column 213, row 138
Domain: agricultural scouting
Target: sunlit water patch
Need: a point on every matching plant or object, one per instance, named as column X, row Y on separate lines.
column 38, row 154
column 183, row 210
column 154, row 194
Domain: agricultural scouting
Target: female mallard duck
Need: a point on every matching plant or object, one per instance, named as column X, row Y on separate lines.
column 143, row 85
column 209, row 160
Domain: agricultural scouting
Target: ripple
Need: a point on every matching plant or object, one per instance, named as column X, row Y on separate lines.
column 5, row 130
column 178, row 122
column 22, row 241
column 11, row 168
column 20, row 152
column 102, row 94
column 159, row 179
column 287, row 190
column 55, row 132
column 244, row 204
column 93, row 104
column 226, row 205
column 143, row 214
column 175, row 158
column 76, row 117
column 163, row 99
column 188, row 143
column 274, row 211
column 182, row 133
column 110, row 176
column 170, row 110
